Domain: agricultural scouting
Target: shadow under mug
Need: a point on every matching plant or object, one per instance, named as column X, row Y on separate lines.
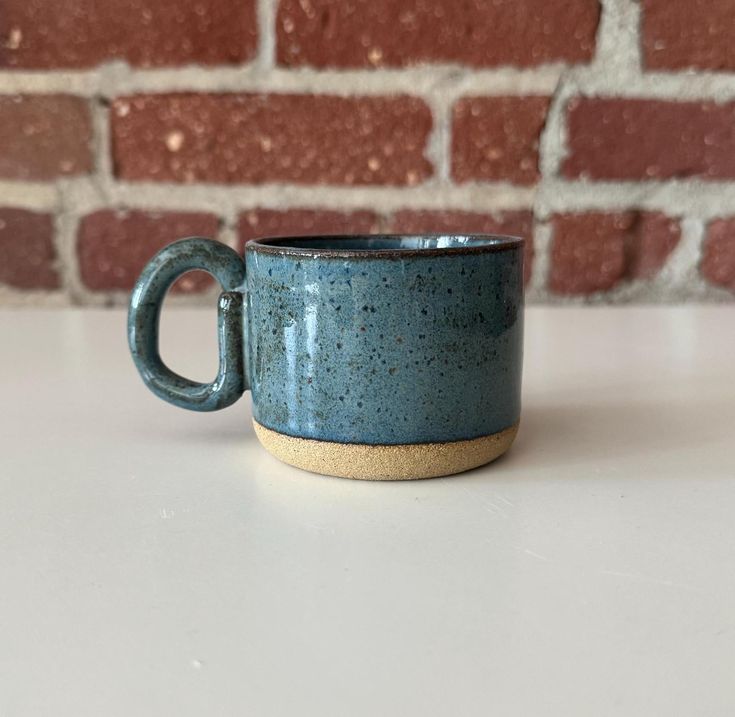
column 377, row 357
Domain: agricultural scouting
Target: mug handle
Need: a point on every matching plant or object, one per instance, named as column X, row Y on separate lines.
column 145, row 310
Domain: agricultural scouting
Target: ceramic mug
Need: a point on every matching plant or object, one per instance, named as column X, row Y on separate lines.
column 378, row 357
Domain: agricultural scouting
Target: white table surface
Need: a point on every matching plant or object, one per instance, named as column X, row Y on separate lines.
column 158, row 562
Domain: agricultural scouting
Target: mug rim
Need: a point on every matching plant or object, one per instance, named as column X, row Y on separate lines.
column 481, row 244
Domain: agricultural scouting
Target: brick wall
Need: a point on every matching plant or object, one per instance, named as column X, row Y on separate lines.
column 604, row 132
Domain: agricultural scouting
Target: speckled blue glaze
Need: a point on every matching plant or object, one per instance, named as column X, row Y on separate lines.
column 144, row 314
column 408, row 347
column 380, row 340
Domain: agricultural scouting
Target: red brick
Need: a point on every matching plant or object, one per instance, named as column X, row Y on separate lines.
column 718, row 260
column 304, row 222
column 145, row 33
column 27, row 254
column 497, row 138
column 515, row 223
column 692, row 33
column 367, row 33
column 304, row 139
column 595, row 252
column 44, row 136
column 114, row 246
column 650, row 139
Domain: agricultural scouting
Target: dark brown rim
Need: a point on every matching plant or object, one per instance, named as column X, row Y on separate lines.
column 280, row 245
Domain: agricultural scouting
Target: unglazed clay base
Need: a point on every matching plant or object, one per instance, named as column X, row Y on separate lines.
column 385, row 462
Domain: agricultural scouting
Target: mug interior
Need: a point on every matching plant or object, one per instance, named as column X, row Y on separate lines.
column 386, row 243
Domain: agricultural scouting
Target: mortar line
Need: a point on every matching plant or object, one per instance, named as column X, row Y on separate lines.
column 103, row 174
column 695, row 197
column 165, row 196
column 228, row 229
column 66, row 225
column 617, row 50
column 699, row 198
column 680, row 273
column 553, row 139
column 29, row 195
column 116, row 78
column 537, row 288
column 266, row 22
column 12, row 297
column 61, row 261
column 438, row 146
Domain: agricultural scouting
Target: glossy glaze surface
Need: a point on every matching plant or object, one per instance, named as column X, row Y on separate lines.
column 143, row 319
column 386, row 347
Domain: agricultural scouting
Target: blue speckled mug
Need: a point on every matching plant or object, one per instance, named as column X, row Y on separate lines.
column 378, row 357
